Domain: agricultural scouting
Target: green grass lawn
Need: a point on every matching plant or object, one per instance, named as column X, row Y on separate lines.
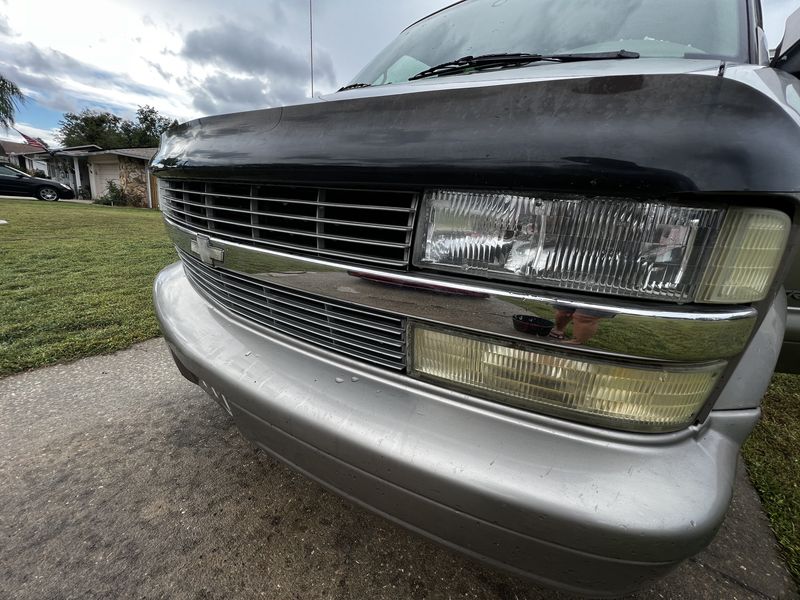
column 75, row 280
column 772, row 454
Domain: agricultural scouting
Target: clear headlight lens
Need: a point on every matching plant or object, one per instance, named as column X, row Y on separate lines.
column 621, row 247
column 619, row 396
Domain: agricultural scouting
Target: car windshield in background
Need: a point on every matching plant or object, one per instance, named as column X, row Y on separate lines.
column 651, row 28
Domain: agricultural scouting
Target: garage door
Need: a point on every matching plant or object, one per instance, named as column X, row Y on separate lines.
column 105, row 172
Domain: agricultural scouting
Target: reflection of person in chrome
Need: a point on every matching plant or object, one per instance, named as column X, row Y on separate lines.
column 585, row 323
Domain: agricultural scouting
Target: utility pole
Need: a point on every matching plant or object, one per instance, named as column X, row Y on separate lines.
column 311, row 39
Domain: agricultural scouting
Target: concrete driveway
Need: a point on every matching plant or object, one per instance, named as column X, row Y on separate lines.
column 118, row 479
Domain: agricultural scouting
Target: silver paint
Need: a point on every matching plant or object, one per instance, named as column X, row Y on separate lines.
column 502, row 485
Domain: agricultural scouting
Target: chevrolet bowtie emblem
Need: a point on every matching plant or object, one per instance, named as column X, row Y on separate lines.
column 207, row 253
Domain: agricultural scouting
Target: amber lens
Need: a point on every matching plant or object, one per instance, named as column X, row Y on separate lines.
column 619, row 396
column 746, row 256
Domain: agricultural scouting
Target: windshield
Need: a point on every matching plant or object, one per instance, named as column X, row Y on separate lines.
column 9, row 170
column 653, row 28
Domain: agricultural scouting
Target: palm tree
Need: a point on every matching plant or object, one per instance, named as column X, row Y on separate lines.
column 10, row 98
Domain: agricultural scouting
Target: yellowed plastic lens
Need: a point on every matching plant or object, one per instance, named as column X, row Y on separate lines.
column 616, row 396
column 746, row 256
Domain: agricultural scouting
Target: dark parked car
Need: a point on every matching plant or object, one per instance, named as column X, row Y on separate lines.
column 519, row 287
column 17, row 183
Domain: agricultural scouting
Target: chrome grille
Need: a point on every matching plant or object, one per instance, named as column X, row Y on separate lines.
column 355, row 226
column 372, row 336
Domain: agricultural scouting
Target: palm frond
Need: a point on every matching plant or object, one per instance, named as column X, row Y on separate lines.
column 10, row 99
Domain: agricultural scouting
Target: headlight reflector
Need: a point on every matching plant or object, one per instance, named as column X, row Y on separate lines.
column 620, row 396
column 622, row 247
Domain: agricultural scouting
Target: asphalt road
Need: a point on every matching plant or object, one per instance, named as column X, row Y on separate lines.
column 118, row 479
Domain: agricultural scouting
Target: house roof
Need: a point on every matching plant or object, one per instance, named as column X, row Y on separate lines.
column 36, row 152
column 84, row 147
column 8, row 147
column 78, row 150
column 141, row 153
column 88, row 150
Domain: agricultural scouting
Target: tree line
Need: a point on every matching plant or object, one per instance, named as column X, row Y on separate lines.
column 101, row 128
column 108, row 130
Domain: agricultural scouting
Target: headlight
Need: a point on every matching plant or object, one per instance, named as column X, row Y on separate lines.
column 620, row 396
column 622, row 247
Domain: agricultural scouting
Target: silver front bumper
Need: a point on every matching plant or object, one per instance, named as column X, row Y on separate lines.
column 584, row 509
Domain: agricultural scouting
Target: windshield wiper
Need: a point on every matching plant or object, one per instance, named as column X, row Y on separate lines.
column 488, row 61
column 354, row 86
column 616, row 55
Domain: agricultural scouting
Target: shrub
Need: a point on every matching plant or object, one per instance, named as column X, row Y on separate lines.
column 115, row 196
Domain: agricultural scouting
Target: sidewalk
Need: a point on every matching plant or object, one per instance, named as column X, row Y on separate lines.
column 73, row 201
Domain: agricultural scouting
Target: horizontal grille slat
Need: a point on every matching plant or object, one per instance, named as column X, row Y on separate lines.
column 299, row 323
column 288, row 201
column 297, row 231
column 394, row 324
column 314, row 319
column 291, row 218
column 370, row 227
column 287, row 247
column 345, row 317
column 299, row 316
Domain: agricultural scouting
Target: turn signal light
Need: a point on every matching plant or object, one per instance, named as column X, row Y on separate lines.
column 618, row 396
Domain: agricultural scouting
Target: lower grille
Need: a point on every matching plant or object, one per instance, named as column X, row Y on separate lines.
column 374, row 337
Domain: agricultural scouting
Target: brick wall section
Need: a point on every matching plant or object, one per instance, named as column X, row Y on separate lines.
column 132, row 179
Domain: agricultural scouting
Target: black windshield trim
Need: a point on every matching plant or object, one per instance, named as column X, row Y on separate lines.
column 448, row 7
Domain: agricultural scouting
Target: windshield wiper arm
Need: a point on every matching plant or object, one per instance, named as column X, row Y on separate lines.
column 488, row 61
column 482, row 61
column 617, row 55
column 354, row 86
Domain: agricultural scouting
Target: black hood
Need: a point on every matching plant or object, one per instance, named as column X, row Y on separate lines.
column 637, row 134
column 42, row 180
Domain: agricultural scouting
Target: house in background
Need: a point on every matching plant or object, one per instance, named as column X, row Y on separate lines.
column 65, row 165
column 127, row 168
column 14, row 153
column 88, row 169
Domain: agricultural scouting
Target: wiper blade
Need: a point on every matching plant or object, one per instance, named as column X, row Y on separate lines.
column 482, row 61
column 354, row 86
column 618, row 55
column 488, row 61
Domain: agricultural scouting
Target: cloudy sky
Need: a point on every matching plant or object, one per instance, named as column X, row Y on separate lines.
column 201, row 57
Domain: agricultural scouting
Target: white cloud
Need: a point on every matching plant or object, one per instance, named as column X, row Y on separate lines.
column 132, row 52
column 47, row 135
column 191, row 59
